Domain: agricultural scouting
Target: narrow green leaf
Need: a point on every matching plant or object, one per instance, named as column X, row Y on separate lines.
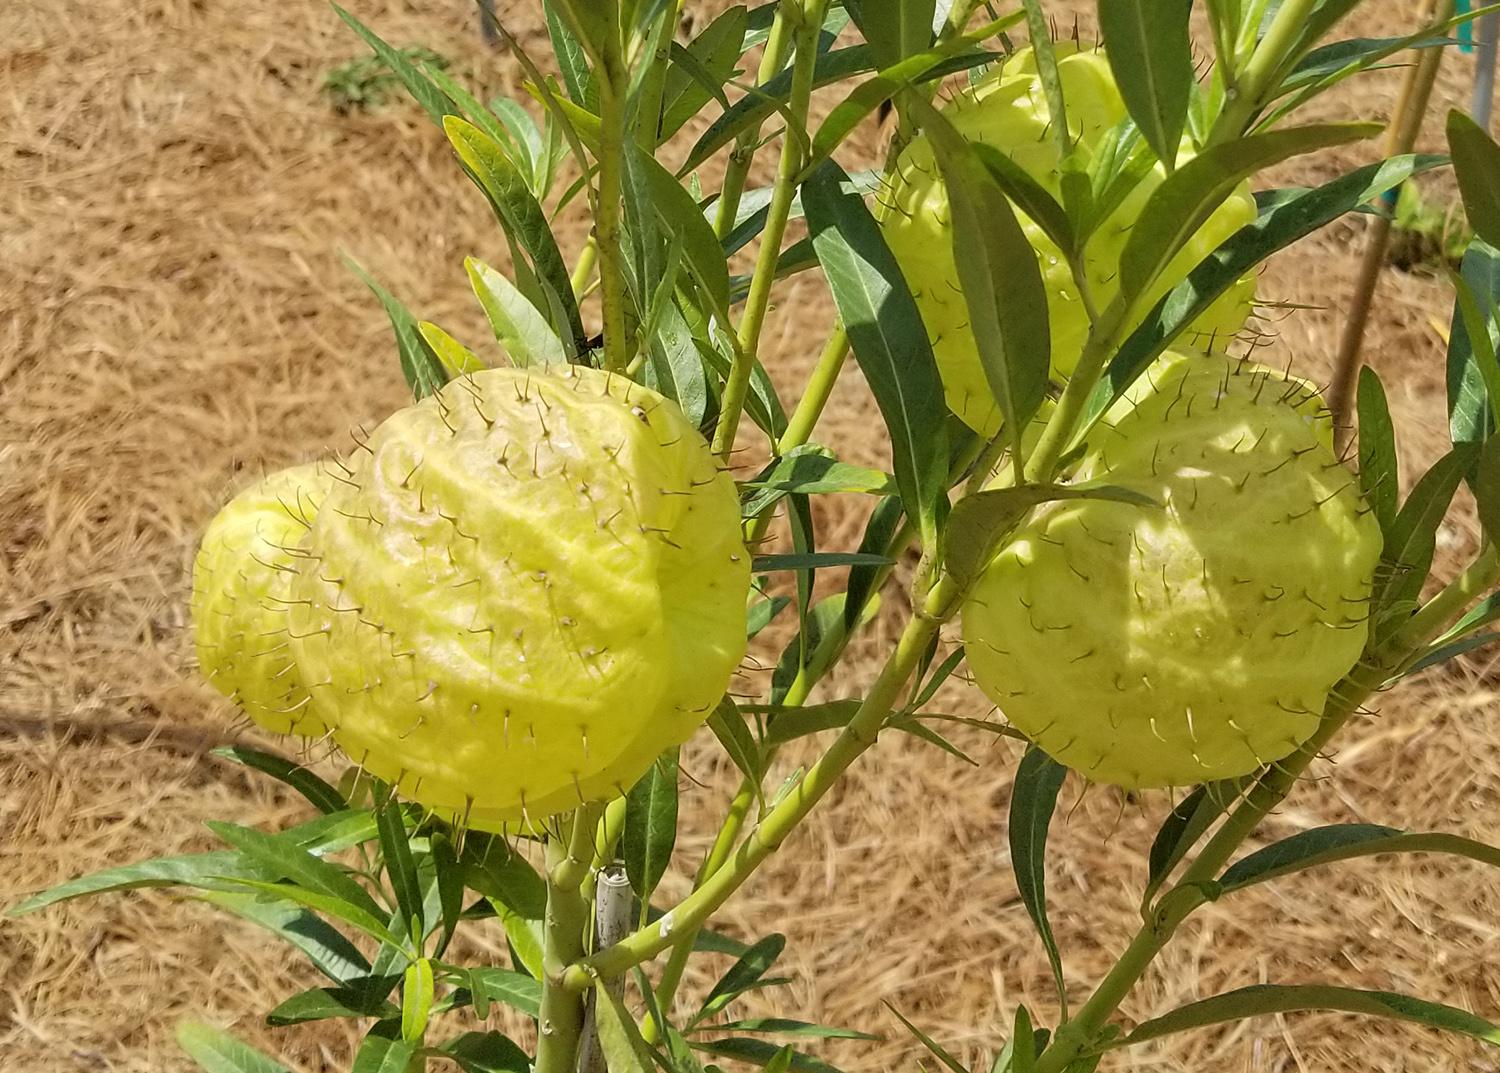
column 1476, row 162
column 328, row 904
column 714, row 51
column 1472, row 342
column 770, row 564
column 879, row 533
column 743, row 975
column 296, row 865
column 219, row 1052
column 738, row 742
column 1409, row 549
column 416, row 1000
column 332, row 954
column 206, row 871
column 1379, row 477
column 383, row 1050
column 760, row 102
column 761, row 613
column 763, row 1053
column 433, row 100
column 323, row 796
column 895, row 29
column 570, row 57
column 938, row 1052
column 787, row 1027
column 939, row 676
column 485, row 1052
column 424, row 373
column 680, row 216
column 811, row 469
column 980, row 521
column 1285, row 216
column 650, row 832
column 999, row 273
column 324, row 1003
column 1022, row 1042
column 524, row 221
column 1030, row 196
column 1033, row 799
column 619, row 1037
column 525, row 937
column 502, row 875
column 1264, row 999
column 448, row 877
column 1329, row 64
column 395, row 851
column 1187, row 822
column 524, row 333
column 1442, row 653
column 486, row 984
column 865, row 98
column 1186, row 198
column 456, row 359
column 887, row 336
column 1342, row 842
column 1152, row 60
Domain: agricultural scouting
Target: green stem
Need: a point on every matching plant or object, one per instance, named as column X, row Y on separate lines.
column 758, row 301
column 1070, row 406
column 772, row 60
column 1262, row 72
column 1078, row 1034
column 825, row 374
column 859, row 735
column 611, row 157
column 564, row 929
column 1429, row 623
column 648, row 109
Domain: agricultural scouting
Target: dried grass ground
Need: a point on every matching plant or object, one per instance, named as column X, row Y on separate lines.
column 173, row 191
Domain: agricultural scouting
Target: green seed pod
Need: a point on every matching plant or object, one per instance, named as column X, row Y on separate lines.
column 1199, row 640
column 529, row 585
column 242, row 579
column 1008, row 110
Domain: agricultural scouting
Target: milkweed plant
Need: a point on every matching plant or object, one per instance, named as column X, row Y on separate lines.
column 1161, row 556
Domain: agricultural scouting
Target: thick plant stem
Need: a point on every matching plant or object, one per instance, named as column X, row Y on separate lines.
column 1261, row 72
column 564, row 931
column 942, row 600
column 1411, row 110
column 607, row 236
column 758, row 301
column 825, row 374
column 1062, row 425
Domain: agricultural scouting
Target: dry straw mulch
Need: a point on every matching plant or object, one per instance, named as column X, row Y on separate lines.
column 173, row 317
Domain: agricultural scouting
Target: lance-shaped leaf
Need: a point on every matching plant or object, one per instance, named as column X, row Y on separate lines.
column 1185, row 200
column 762, row 101
column 1476, row 162
column 324, row 797
column 887, row 336
column 1151, row 57
column 1472, row 343
column 747, row 973
column 570, row 56
column 1408, row 551
column 1379, row 475
column 423, row 370
column 895, row 29
column 651, row 825
column 326, row 1003
column 383, row 1050
column 457, row 359
column 739, row 743
column 485, row 1052
column 699, row 70
column 680, row 216
column 524, row 333
column 810, row 469
column 1186, row 823
column 524, row 221
column 332, row 954
column 1030, row 196
column 436, row 103
column 937, row 1050
column 1285, row 216
column 395, row 851
column 1261, row 1000
column 765, row 1054
column 1033, row 800
column 219, row 1052
column 999, row 274
column 1342, row 842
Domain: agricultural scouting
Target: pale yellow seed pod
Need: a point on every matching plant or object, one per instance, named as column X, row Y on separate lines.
column 1008, row 110
column 1198, row 640
column 242, row 578
column 532, row 584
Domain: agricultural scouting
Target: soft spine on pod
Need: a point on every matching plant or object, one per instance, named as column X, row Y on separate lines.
column 1198, row 640
column 1007, row 109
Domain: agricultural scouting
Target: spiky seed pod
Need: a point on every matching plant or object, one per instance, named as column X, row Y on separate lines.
column 530, row 585
column 1163, row 647
column 242, row 580
column 1008, row 110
